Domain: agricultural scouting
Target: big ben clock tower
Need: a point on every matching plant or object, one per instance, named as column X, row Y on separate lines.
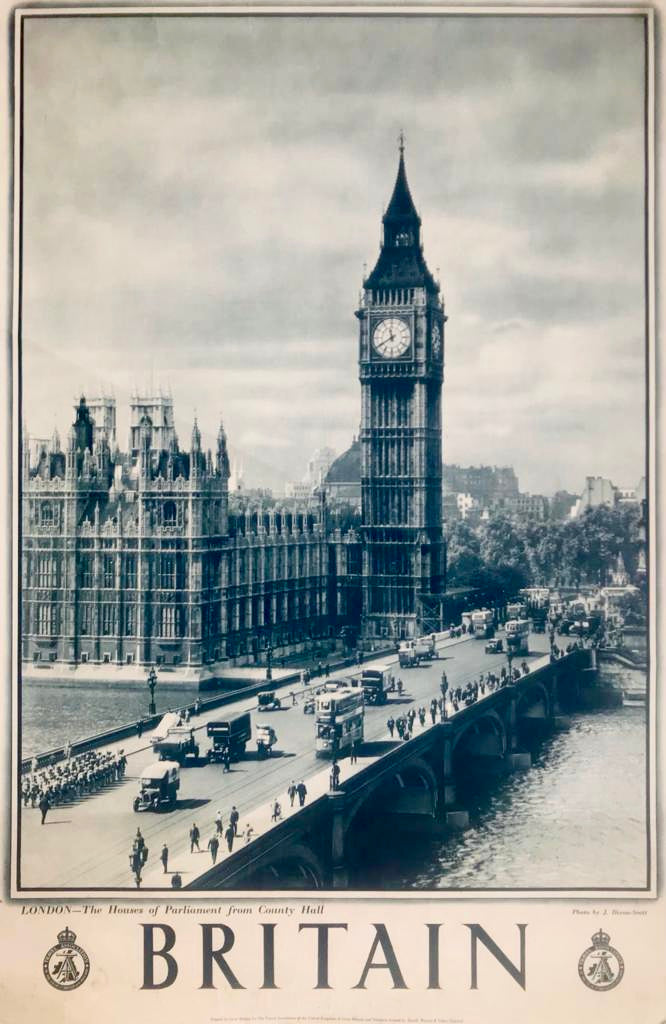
column 401, row 369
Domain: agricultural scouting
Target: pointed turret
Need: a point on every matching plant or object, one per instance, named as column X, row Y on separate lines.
column 145, row 441
column 84, row 426
column 401, row 207
column 196, row 437
column 222, row 460
column 55, row 442
column 401, row 262
column 195, row 454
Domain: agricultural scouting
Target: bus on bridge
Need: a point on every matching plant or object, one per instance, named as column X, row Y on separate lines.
column 517, row 636
column 339, row 716
column 483, row 624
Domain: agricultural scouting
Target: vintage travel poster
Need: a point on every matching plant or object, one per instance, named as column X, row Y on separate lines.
column 331, row 565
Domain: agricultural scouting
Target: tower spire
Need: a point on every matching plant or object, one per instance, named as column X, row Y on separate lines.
column 401, row 142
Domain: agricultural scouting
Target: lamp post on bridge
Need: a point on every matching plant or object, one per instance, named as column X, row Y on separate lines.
column 151, row 682
column 509, row 658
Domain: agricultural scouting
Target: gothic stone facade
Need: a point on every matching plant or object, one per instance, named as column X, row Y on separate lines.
column 136, row 558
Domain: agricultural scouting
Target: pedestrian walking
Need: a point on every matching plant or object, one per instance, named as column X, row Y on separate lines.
column 194, row 838
column 390, row 725
column 291, row 793
column 229, row 836
column 136, row 863
column 218, row 823
column 353, row 757
column 248, row 834
column 302, row 793
column 213, row 846
column 277, row 810
column 164, row 857
column 44, row 805
column 226, row 759
column 176, row 880
column 233, row 819
column 139, row 728
column 335, row 775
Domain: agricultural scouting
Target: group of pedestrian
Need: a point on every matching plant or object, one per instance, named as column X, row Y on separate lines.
column 294, row 790
column 72, row 779
column 458, row 697
column 228, row 834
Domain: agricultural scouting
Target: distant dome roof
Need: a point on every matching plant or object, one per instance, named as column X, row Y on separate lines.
column 347, row 467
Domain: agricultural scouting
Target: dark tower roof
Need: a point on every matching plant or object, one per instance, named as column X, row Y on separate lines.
column 401, row 205
column 401, row 262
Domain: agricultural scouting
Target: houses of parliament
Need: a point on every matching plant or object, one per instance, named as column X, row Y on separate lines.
column 137, row 558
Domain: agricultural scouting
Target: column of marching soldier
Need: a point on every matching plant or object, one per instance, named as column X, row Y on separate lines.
column 72, row 779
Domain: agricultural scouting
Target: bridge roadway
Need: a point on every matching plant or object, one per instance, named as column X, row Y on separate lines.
column 85, row 845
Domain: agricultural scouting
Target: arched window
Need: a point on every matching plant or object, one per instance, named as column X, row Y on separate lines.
column 169, row 513
column 46, row 513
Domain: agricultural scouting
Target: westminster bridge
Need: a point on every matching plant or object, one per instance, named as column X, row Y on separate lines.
column 407, row 785
column 410, row 785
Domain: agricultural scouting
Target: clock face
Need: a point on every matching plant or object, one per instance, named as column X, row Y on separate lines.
column 391, row 337
column 436, row 340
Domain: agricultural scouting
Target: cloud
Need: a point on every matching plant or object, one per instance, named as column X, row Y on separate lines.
column 201, row 195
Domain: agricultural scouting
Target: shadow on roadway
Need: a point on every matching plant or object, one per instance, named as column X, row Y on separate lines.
column 254, row 756
column 191, row 804
column 377, row 748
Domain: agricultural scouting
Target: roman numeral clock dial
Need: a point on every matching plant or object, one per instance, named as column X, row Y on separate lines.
column 391, row 338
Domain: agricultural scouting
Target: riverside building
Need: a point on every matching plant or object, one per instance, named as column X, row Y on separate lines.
column 136, row 558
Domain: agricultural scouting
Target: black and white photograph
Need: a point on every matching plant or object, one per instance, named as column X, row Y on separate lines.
column 334, row 457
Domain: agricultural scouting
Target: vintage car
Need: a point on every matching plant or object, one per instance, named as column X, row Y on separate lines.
column 267, row 701
column 309, row 706
column 158, row 787
column 266, row 738
column 494, row 646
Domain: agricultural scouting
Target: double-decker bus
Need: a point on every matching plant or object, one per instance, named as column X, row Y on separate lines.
column 483, row 624
column 517, row 633
column 338, row 721
column 516, row 610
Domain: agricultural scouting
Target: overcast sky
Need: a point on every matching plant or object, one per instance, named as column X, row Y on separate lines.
column 201, row 195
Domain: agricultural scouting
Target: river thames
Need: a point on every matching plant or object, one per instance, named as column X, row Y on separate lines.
column 576, row 819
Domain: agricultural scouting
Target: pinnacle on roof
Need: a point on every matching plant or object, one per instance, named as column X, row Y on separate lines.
column 401, row 262
column 401, row 205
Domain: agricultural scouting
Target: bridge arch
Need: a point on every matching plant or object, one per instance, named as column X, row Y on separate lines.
column 534, row 702
column 416, row 776
column 485, row 736
column 294, row 867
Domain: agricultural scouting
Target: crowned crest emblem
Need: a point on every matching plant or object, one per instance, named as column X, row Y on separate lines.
column 601, row 967
column 66, row 965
